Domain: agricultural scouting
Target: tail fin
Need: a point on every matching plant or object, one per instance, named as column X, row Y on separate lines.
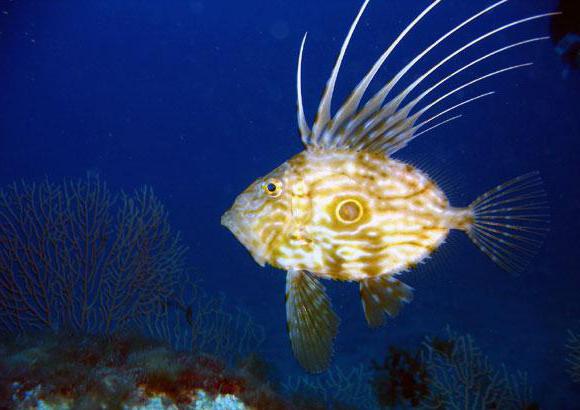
column 510, row 221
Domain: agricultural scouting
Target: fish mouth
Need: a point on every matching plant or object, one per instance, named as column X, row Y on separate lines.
column 230, row 221
column 226, row 220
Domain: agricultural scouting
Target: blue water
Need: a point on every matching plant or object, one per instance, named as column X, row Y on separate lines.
column 197, row 99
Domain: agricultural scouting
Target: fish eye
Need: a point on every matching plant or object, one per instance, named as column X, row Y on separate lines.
column 272, row 187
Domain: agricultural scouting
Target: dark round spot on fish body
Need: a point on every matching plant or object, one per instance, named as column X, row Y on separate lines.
column 350, row 211
column 347, row 214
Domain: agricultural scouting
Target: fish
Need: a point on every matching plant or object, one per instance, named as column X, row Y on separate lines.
column 346, row 209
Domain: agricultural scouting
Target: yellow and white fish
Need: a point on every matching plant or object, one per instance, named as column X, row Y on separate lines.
column 345, row 209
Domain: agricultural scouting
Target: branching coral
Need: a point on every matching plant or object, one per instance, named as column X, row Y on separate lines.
column 449, row 373
column 195, row 321
column 337, row 388
column 573, row 359
column 461, row 377
column 75, row 256
column 76, row 260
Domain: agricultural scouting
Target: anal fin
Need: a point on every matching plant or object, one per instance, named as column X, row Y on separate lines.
column 383, row 294
column 312, row 324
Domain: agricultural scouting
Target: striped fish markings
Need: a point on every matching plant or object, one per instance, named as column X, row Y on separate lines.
column 345, row 209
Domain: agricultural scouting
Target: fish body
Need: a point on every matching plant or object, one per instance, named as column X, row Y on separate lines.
column 346, row 209
column 348, row 215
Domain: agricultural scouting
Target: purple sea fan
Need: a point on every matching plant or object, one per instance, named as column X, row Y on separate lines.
column 74, row 256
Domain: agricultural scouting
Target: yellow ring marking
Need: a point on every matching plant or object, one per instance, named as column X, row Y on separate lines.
column 349, row 211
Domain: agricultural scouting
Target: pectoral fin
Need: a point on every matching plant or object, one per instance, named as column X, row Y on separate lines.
column 383, row 294
column 312, row 324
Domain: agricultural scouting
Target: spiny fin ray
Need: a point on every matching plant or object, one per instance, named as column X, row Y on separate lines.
column 510, row 221
column 352, row 103
column 383, row 294
column 374, row 104
column 302, row 124
column 323, row 115
column 384, row 126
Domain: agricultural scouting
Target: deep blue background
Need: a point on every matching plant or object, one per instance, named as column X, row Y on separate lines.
column 197, row 99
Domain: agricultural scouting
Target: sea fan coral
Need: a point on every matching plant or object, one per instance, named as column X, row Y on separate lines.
column 74, row 256
column 337, row 389
column 196, row 321
column 573, row 359
column 448, row 373
column 461, row 377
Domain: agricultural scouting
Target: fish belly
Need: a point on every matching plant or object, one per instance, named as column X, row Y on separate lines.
column 391, row 254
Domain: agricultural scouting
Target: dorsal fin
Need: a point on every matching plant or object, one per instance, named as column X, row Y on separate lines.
column 302, row 124
column 386, row 126
column 323, row 115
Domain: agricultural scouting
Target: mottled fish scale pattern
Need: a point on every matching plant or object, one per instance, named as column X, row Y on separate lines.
column 361, row 214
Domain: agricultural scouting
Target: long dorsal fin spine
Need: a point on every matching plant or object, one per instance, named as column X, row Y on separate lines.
column 393, row 135
column 391, row 126
column 402, row 138
column 467, row 84
column 302, row 124
column 352, row 103
column 470, row 44
column 381, row 138
column 323, row 115
column 381, row 129
column 396, row 129
column 378, row 99
column 454, row 107
column 371, row 126
column 439, row 124
column 394, row 104
column 465, row 67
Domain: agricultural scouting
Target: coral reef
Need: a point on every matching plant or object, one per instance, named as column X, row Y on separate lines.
column 82, row 272
column 462, row 377
column 449, row 373
column 74, row 256
column 196, row 321
column 335, row 389
column 402, row 379
column 128, row 371
column 82, row 269
column 124, row 371
column 573, row 359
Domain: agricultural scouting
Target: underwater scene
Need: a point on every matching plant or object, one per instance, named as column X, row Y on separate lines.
column 346, row 204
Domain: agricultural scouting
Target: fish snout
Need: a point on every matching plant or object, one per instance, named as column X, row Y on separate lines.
column 232, row 221
column 243, row 231
column 227, row 219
